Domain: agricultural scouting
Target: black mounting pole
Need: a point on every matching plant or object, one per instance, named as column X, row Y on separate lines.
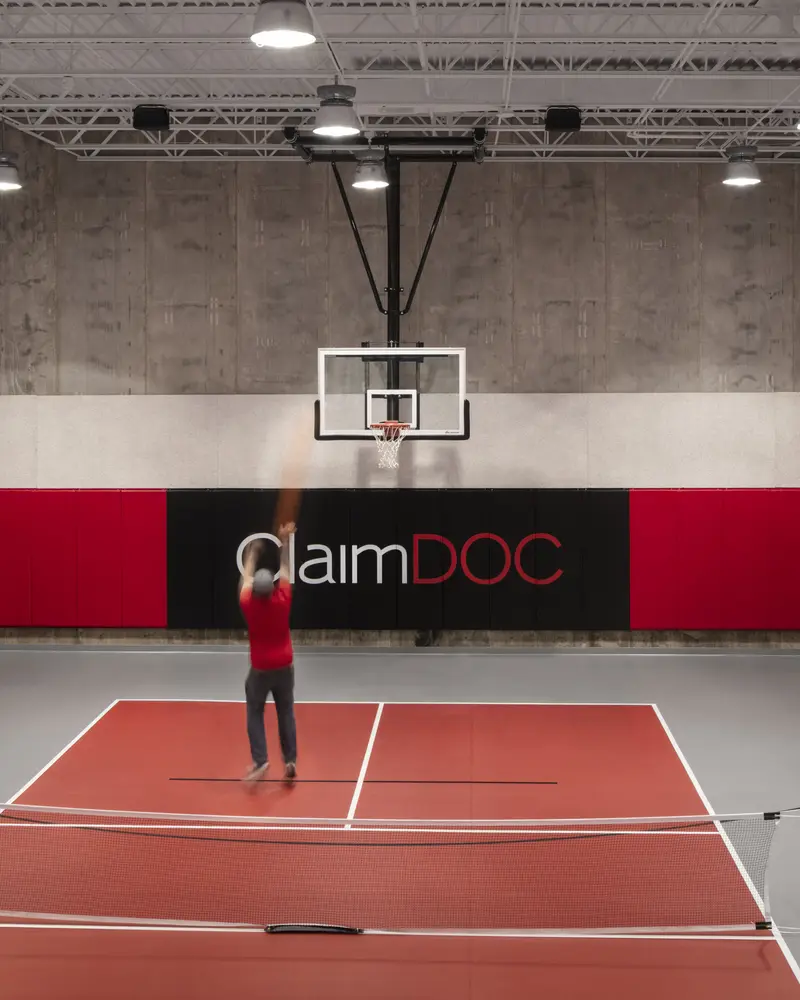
column 393, row 290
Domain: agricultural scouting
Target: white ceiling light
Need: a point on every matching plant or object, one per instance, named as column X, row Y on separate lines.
column 371, row 173
column 336, row 117
column 283, row 24
column 9, row 175
column 742, row 170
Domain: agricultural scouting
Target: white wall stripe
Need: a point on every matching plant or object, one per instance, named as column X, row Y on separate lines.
column 646, row 440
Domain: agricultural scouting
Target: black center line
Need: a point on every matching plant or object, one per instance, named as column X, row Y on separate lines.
column 368, row 781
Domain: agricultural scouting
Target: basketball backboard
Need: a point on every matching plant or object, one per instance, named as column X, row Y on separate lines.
column 424, row 387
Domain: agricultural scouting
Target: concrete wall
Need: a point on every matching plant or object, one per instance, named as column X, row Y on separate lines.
column 205, row 278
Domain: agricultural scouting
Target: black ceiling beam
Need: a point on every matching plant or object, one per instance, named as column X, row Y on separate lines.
column 330, row 156
column 312, row 148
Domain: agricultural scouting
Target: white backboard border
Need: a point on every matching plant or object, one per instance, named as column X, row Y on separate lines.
column 411, row 394
column 322, row 432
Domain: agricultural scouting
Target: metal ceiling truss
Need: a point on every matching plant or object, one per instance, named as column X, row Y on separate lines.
column 666, row 81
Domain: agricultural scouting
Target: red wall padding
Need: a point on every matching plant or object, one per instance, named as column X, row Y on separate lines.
column 16, row 511
column 83, row 558
column 144, row 556
column 715, row 559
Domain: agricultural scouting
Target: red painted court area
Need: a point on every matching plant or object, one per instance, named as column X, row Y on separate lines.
column 393, row 761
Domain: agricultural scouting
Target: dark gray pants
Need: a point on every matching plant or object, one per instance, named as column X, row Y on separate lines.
column 258, row 687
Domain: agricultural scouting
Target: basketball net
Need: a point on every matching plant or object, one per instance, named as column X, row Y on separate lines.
column 389, row 436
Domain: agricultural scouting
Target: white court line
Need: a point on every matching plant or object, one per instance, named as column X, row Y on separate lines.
column 523, row 704
column 256, row 828
column 376, row 651
column 519, row 704
column 449, row 704
column 61, row 752
column 504, row 651
column 351, row 812
column 240, row 701
column 379, row 651
column 787, row 954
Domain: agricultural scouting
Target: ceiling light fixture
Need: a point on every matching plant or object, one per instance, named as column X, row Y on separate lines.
column 9, row 175
column 283, row 24
column 370, row 173
column 742, row 170
column 336, row 117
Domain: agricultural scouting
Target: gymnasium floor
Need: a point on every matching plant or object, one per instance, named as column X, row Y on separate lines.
column 610, row 750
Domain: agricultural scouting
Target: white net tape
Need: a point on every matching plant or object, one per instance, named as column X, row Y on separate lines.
column 389, row 436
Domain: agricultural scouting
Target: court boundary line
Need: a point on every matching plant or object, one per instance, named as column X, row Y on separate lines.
column 333, row 825
column 351, row 812
column 62, row 751
column 775, row 931
column 375, row 701
column 469, row 650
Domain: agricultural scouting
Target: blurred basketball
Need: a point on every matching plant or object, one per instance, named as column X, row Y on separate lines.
column 294, row 475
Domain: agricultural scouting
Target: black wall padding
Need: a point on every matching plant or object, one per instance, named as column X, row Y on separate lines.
column 482, row 559
column 191, row 563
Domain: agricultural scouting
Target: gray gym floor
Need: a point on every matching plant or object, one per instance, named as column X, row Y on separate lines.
column 733, row 714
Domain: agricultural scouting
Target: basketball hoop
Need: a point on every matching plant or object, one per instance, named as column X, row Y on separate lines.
column 389, row 436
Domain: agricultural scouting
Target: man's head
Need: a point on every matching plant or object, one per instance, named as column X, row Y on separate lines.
column 263, row 583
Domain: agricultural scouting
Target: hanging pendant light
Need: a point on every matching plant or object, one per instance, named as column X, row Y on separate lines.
column 283, row 24
column 742, row 170
column 370, row 173
column 336, row 117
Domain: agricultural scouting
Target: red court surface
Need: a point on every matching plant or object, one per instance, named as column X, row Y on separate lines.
column 393, row 761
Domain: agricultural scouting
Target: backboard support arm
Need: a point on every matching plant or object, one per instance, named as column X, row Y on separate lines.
column 359, row 243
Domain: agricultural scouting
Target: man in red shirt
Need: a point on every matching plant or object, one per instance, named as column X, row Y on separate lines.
column 266, row 603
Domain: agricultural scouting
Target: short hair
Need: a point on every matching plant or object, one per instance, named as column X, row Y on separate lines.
column 263, row 583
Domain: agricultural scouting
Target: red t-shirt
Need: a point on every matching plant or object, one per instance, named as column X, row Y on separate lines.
column 268, row 625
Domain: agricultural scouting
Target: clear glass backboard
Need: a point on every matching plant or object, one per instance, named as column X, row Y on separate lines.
column 424, row 387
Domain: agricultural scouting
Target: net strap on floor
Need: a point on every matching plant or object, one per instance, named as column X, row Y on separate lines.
column 660, row 875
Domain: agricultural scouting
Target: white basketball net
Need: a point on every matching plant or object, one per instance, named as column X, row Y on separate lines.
column 389, row 436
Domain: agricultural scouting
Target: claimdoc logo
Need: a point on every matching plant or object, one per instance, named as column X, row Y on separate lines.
column 344, row 565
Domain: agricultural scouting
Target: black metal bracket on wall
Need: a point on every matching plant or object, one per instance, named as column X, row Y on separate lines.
column 424, row 149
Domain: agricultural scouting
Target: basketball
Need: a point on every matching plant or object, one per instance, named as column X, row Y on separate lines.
column 294, row 473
